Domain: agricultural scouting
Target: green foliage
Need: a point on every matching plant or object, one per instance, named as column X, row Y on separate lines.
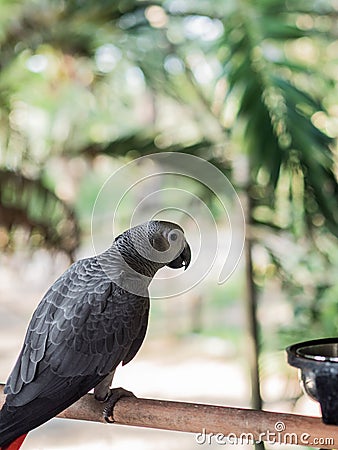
column 218, row 79
column 30, row 204
column 276, row 111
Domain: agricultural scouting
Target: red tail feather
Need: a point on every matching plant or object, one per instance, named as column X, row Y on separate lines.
column 15, row 445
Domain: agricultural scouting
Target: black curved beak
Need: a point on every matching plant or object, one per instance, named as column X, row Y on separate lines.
column 183, row 260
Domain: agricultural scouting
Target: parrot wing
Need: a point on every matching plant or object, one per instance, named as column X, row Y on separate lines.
column 82, row 329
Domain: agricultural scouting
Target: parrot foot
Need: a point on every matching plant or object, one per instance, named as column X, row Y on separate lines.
column 112, row 398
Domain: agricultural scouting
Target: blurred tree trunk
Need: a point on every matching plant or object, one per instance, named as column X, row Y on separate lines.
column 251, row 313
column 253, row 337
column 197, row 314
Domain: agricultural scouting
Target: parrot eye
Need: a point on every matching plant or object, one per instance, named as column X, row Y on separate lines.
column 175, row 236
column 172, row 236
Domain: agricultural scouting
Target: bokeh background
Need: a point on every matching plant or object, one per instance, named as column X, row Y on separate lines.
column 87, row 86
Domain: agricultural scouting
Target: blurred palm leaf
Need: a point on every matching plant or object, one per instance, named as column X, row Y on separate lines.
column 70, row 27
column 279, row 133
column 138, row 144
column 30, row 204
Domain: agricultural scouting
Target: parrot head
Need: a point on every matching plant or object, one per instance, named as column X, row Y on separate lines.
column 156, row 243
column 174, row 242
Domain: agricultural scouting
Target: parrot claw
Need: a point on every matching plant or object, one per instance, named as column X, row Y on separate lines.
column 112, row 398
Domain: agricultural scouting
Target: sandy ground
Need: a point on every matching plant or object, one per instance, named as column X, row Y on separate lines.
column 190, row 369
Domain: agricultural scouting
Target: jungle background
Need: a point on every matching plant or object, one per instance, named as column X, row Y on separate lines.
column 86, row 86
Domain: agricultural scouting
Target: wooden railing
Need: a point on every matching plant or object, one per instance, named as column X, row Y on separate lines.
column 209, row 422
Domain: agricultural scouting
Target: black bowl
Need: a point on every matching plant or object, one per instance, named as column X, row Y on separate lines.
column 318, row 364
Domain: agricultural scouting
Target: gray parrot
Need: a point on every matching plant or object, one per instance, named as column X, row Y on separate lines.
column 91, row 319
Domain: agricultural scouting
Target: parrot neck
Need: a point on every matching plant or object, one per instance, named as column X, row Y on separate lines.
column 121, row 258
column 136, row 261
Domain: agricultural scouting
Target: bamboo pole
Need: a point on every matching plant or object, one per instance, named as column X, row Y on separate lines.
column 210, row 423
